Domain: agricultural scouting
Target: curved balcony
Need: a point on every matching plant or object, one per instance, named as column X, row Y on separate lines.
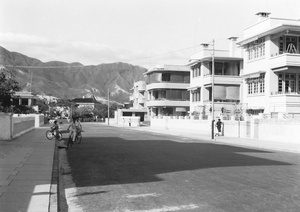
column 167, row 85
column 167, row 103
column 284, row 60
column 222, row 79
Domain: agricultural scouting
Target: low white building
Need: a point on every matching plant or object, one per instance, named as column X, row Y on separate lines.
column 26, row 98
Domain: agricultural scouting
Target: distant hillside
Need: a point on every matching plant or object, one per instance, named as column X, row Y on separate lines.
column 71, row 80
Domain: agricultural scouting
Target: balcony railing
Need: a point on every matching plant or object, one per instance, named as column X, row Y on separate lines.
column 284, row 59
column 160, row 81
column 284, row 93
column 164, row 99
column 225, row 75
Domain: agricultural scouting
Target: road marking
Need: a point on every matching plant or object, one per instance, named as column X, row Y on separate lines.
column 143, row 195
column 168, row 208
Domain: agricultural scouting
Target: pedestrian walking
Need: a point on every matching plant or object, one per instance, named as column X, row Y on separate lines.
column 219, row 127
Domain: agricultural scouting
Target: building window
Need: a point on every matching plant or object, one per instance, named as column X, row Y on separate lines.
column 281, row 43
column 250, row 85
column 290, row 83
column 24, row 102
column 256, row 85
column 291, row 44
column 256, row 49
column 196, row 71
column 163, row 94
column 287, row 83
column 166, row 77
column 262, row 86
column 196, row 97
column 299, row 45
column 280, row 80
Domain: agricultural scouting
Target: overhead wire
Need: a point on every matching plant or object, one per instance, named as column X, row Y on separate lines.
column 133, row 60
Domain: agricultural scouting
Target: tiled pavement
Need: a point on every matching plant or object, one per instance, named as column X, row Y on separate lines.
column 26, row 165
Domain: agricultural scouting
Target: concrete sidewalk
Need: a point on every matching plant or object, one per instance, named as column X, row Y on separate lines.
column 26, row 165
column 287, row 145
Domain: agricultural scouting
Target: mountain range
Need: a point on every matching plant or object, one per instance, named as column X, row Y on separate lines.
column 72, row 80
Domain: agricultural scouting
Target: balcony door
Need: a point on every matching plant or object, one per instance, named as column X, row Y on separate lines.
column 291, row 44
column 288, row 81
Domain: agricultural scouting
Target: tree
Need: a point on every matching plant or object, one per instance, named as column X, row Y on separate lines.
column 43, row 107
column 82, row 112
column 101, row 110
column 8, row 87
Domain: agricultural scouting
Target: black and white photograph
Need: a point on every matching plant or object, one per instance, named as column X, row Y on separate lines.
column 149, row 106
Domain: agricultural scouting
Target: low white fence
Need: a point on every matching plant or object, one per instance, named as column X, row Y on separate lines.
column 12, row 126
column 284, row 130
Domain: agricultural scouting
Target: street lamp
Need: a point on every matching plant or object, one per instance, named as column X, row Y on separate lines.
column 205, row 45
column 108, row 107
column 212, row 90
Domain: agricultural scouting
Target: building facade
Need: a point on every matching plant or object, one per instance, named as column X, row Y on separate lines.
column 227, row 68
column 271, row 75
column 84, row 102
column 138, row 96
column 26, row 98
column 167, row 93
column 136, row 111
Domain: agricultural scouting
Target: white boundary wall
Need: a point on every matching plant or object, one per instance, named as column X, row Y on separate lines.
column 283, row 130
column 12, row 126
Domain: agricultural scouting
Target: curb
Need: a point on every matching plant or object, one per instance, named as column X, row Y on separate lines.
column 53, row 206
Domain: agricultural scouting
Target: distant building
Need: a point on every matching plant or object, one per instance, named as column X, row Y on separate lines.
column 227, row 68
column 26, row 99
column 84, row 102
column 167, row 92
column 137, row 108
column 271, row 75
column 138, row 96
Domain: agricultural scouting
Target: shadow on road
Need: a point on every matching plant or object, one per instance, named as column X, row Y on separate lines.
column 114, row 160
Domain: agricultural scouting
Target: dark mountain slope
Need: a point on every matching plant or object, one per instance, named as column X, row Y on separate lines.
column 71, row 80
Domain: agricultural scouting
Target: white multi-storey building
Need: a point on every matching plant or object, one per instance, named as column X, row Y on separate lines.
column 227, row 67
column 271, row 75
column 138, row 97
column 167, row 90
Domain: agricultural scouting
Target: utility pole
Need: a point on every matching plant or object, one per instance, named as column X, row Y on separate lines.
column 108, row 107
column 212, row 91
column 30, row 80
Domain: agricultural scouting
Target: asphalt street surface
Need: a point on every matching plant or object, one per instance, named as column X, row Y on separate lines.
column 120, row 169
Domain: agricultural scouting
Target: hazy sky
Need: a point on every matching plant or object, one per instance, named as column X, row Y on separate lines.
column 140, row 32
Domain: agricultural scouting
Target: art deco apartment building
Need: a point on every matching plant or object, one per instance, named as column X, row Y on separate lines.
column 167, row 93
column 138, row 97
column 271, row 75
column 227, row 68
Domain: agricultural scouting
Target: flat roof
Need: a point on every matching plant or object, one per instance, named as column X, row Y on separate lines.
column 134, row 110
column 172, row 68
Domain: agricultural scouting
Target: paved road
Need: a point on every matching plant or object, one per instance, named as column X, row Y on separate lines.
column 119, row 169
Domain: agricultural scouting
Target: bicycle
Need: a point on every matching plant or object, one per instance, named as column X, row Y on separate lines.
column 50, row 135
column 77, row 140
column 78, row 137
